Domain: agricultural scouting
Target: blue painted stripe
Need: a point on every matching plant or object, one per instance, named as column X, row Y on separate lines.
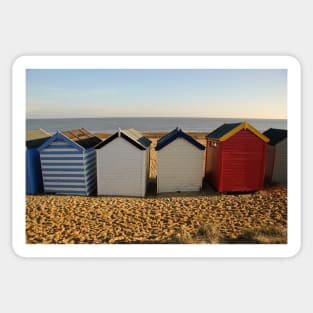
column 90, row 167
column 90, row 179
column 64, row 175
column 91, row 174
column 90, row 154
column 90, row 164
column 59, row 147
column 72, row 192
column 62, row 164
column 91, row 157
column 89, row 151
column 60, row 152
column 93, row 161
column 67, row 186
column 91, row 188
column 65, row 180
column 62, row 158
column 56, row 169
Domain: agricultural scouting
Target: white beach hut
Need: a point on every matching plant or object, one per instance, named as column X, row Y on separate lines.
column 179, row 162
column 123, row 162
column 276, row 158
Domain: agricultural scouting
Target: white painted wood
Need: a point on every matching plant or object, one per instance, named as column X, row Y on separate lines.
column 280, row 163
column 179, row 167
column 121, row 169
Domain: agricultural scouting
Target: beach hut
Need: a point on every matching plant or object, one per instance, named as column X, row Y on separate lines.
column 34, row 138
column 276, row 159
column 179, row 162
column 123, row 162
column 235, row 158
column 68, row 162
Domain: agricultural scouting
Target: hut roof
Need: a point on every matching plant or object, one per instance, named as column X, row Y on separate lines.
column 275, row 135
column 177, row 133
column 228, row 130
column 82, row 137
column 36, row 137
column 131, row 135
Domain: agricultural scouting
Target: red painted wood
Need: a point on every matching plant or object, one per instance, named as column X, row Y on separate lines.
column 239, row 163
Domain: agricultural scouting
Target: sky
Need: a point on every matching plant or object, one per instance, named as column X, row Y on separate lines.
column 228, row 93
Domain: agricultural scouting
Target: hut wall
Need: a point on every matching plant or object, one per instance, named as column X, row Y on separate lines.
column 33, row 172
column 121, row 169
column 68, row 170
column 147, row 165
column 242, row 162
column 280, row 163
column 270, row 156
column 212, row 162
column 179, row 167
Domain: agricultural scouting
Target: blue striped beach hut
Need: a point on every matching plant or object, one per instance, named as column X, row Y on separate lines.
column 68, row 162
column 34, row 139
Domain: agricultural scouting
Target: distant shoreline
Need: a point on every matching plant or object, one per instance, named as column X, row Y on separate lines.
column 149, row 125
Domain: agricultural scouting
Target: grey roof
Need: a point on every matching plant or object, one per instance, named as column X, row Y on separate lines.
column 132, row 136
column 82, row 137
column 275, row 135
column 222, row 130
column 36, row 137
column 177, row 133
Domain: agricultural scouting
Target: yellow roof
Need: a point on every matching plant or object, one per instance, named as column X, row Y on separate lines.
column 246, row 126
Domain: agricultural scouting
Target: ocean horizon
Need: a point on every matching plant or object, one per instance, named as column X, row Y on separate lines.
column 147, row 124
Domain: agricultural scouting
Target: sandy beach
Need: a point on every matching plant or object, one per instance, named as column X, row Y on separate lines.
column 197, row 217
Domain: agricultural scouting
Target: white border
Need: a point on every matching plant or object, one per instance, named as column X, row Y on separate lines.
column 156, row 62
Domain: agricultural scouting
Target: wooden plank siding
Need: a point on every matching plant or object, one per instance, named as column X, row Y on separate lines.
column 243, row 162
column 212, row 161
column 34, row 139
column 179, row 167
column 34, row 182
column 280, row 163
column 122, row 169
column 276, row 158
column 270, row 157
column 67, row 169
column 236, row 164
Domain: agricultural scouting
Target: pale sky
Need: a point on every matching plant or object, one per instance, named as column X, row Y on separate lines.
column 57, row 93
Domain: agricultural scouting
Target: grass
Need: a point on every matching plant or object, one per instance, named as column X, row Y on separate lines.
column 207, row 233
column 264, row 235
column 182, row 236
column 210, row 233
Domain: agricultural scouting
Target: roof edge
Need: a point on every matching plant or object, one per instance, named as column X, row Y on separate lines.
column 180, row 134
column 246, row 126
column 57, row 135
column 121, row 134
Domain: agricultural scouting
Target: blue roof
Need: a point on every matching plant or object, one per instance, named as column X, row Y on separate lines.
column 174, row 134
column 222, row 130
column 275, row 135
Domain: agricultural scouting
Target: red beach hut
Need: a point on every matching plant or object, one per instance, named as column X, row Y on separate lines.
column 235, row 158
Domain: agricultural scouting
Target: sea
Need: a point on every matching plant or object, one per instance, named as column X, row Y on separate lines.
column 148, row 124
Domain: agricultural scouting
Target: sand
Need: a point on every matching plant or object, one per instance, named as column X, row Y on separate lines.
column 196, row 217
